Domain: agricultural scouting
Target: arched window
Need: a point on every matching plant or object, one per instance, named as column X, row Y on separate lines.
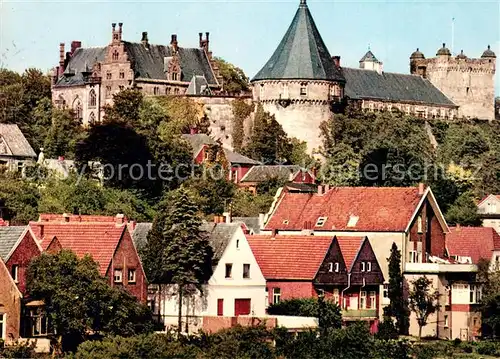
column 77, row 108
column 91, row 119
column 92, row 98
column 115, row 55
column 176, row 91
column 156, row 91
column 61, row 101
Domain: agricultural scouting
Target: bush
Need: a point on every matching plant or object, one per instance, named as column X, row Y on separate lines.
column 18, row 350
column 387, row 330
column 488, row 348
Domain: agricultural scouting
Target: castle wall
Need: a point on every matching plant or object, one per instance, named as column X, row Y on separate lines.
column 414, row 109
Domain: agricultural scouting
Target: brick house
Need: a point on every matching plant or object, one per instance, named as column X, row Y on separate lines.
column 10, row 306
column 295, row 177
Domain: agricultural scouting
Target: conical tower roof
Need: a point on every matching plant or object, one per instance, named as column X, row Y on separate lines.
column 301, row 54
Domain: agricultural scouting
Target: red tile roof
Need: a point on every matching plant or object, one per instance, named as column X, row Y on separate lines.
column 100, row 240
column 474, row 242
column 377, row 209
column 349, row 246
column 289, row 257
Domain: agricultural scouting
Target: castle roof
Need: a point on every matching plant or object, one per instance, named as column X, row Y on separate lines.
column 461, row 55
column 148, row 63
column 417, row 54
column 443, row 51
column 301, row 54
column 366, row 84
column 369, row 56
column 488, row 53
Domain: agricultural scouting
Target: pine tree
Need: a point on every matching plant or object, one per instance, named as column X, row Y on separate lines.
column 397, row 307
column 177, row 251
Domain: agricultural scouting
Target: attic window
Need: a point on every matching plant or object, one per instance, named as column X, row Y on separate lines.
column 353, row 220
column 286, row 221
column 321, row 221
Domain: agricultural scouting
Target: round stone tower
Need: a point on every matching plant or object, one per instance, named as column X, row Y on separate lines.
column 300, row 81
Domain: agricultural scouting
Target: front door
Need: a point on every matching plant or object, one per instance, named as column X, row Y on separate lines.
column 220, row 307
column 241, row 307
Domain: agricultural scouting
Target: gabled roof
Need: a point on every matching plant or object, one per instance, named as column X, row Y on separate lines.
column 7, row 275
column 63, row 218
column 9, row 237
column 369, row 56
column 473, row 242
column 349, row 247
column 198, row 86
column 381, row 209
column 81, row 61
column 301, row 54
column 264, row 172
column 368, row 84
column 97, row 239
column 16, row 142
column 220, row 235
column 289, row 257
column 252, row 223
column 496, row 196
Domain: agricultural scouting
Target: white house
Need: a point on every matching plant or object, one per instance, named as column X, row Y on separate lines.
column 236, row 288
column 489, row 211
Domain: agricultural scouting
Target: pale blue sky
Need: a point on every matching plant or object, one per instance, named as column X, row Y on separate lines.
column 247, row 32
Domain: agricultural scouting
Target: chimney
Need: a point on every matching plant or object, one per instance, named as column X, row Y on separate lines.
column 132, row 225
column 458, row 226
column 274, row 233
column 65, row 217
column 117, row 34
column 60, row 69
column 320, row 190
column 74, row 46
column 421, row 189
column 262, row 217
column 120, row 219
column 201, row 40
column 336, row 61
column 144, row 39
column 120, row 25
column 174, row 43
column 227, row 217
column 327, row 188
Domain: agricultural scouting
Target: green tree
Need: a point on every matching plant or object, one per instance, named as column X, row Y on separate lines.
column 423, row 301
column 63, row 135
column 299, row 155
column 18, row 199
column 78, row 300
column 463, row 211
column 268, row 142
column 234, row 80
column 241, row 111
column 397, row 307
column 177, row 251
column 490, row 299
column 245, row 204
column 125, row 109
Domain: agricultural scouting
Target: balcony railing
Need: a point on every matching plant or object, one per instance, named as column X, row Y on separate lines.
column 359, row 313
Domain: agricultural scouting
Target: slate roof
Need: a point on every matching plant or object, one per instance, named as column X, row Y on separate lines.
column 219, row 236
column 149, row 63
column 15, row 141
column 140, row 234
column 474, row 242
column 82, row 60
column 301, row 54
column 368, row 84
column 367, row 208
column 289, row 257
column 198, row 86
column 349, row 247
column 252, row 223
column 8, row 238
column 97, row 239
column 199, row 140
column 264, row 172
column 488, row 53
column 369, row 56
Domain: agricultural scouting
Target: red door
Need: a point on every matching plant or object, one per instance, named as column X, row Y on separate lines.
column 220, row 307
column 241, row 307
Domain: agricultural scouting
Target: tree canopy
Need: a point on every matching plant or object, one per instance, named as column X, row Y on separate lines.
column 234, row 80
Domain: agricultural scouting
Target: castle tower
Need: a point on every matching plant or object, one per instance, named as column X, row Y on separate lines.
column 370, row 62
column 468, row 82
column 300, row 81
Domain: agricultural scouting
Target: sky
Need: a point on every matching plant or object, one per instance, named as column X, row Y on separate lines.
column 246, row 33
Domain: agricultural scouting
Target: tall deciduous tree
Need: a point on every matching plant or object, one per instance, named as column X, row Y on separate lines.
column 423, row 301
column 464, row 211
column 78, row 300
column 489, row 276
column 397, row 307
column 234, row 80
column 63, row 135
column 177, row 251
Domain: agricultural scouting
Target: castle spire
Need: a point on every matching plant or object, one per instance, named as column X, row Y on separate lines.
column 303, row 2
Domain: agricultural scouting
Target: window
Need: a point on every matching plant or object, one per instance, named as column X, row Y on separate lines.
column 167, row 91
column 276, row 295
column 413, row 257
column 131, row 275
column 475, row 293
column 336, row 296
column 267, row 298
column 261, row 91
column 246, row 271
column 446, row 321
column 176, row 91
column 237, row 244
column 330, row 267
column 363, row 266
column 3, row 325
column 108, row 76
column 117, row 276
column 174, row 76
column 303, row 90
column 36, row 322
column 121, row 87
column 122, row 74
column 368, row 266
column 156, row 91
column 385, row 292
column 372, row 302
column 92, row 98
column 362, row 300
column 115, row 55
column 419, row 224
column 467, row 90
column 229, row 269
column 321, row 221
column 91, row 118
column 337, row 267
column 285, row 90
column 14, row 272
column 108, row 91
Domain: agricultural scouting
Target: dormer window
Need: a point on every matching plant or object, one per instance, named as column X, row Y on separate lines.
column 321, row 221
column 286, row 221
column 333, row 267
column 353, row 220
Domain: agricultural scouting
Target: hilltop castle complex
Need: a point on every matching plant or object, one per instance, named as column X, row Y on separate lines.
column 302, row 84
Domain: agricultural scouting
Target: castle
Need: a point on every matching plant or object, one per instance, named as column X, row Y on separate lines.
column 301, row 84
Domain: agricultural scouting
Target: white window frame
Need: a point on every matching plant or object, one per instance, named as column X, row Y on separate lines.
column 303, row 90
column 446, row 321
column 131, row 271
column 420, row 227
column 330, row 267
column 243, row 275
column 362, row 299
column 118, row 275
column 385, row 290
column 363, row 267
column 276, row 295
column 3, row 327
column 15, row 273
column 336, row 296
column 373, row 299
column 321, row 221
column 368, row 266
column 337, row 267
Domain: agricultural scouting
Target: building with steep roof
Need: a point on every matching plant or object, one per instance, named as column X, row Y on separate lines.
column 15, row 150
column 489, row 211
column 86, row 78
column 471, row 244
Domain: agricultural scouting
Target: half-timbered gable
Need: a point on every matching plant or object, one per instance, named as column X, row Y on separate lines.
column 333, row 270
column 365, row 269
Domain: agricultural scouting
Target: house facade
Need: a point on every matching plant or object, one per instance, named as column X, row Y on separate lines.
column 10, row 306
column 293, row 175
column 489, row 211
column 15, row 151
